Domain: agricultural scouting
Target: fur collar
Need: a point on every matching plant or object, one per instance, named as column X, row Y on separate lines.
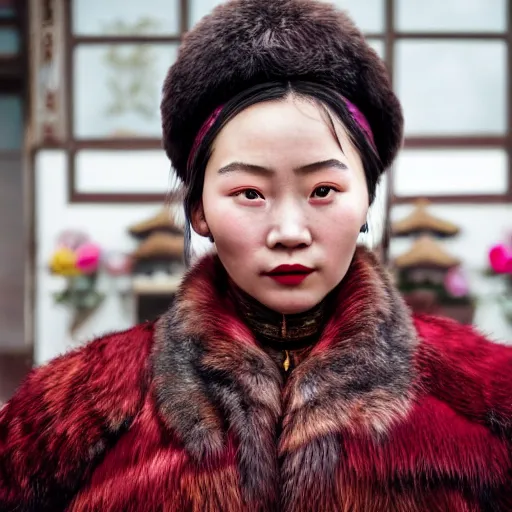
column 214, row 384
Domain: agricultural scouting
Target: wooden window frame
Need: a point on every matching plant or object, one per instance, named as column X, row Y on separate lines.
column 73, row 145
column 455, row 142
column 452, row 142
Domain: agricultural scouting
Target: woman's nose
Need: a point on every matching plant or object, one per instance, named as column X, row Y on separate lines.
column 289, row 228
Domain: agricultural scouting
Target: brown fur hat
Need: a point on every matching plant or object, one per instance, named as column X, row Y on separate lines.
column 247, row 42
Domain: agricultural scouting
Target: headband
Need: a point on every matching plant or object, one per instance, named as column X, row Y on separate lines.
column 356, row 114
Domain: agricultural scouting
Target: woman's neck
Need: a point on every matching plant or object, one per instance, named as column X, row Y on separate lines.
column 277, row 330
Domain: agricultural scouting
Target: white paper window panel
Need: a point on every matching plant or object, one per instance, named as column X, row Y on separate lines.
column 452, row 87
column 200, row 8
column 378, row 46
column 451, row 15
column 451, row 172
column 117, row 89
column 369, row 15
column 129, row 17
column 123, row 172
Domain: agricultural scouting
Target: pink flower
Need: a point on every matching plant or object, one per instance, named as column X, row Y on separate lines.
column 88, row 258
column 456, row 283
column 72, row 239
column 500, row 259
column 117, row 264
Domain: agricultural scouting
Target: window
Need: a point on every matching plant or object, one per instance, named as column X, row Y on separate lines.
column 451, row 65
column 119, row 56
column 12, row 68
column 449, row 60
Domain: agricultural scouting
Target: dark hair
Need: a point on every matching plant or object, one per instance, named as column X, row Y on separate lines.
column 323, row 96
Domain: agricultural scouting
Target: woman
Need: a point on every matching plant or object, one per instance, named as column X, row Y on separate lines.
column 288, row 375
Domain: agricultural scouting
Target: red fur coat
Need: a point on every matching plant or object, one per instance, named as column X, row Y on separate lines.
column 189, row 414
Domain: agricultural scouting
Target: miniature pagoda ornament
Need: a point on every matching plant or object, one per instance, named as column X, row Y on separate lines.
column 158, row 262
column 431, row 280
column 161, row 247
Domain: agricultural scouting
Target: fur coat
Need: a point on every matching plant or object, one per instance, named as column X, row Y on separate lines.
column 387, row 413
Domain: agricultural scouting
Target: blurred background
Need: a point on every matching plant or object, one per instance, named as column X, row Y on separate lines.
column 86, row 242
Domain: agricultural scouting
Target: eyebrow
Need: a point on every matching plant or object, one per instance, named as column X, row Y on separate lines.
column 319, row 166
column 265, row 171
column 250, row 168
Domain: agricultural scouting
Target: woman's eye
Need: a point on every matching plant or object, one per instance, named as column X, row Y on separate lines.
column 249, row 193
column 322, row 192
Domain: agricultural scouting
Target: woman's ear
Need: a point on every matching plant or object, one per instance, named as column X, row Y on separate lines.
column 198, row 221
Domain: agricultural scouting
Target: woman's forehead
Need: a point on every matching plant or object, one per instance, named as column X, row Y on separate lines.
column 293, row 125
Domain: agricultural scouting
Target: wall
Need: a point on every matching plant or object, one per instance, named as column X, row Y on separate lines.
column 481, row 227
column 459, row 172
column 107, row 225
column 12, row 261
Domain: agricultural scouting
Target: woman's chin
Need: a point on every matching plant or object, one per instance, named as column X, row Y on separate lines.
column 291, row 301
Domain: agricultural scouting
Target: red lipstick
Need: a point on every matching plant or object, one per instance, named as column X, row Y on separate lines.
column 290, row 275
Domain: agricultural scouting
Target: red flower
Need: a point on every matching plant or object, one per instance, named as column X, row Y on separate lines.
column 500, row 258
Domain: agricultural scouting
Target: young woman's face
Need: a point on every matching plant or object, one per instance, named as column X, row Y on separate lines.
column 284, row 203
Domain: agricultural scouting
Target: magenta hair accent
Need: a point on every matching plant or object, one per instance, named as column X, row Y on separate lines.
column 361, row 120
column 357, row 115
column 202, row 132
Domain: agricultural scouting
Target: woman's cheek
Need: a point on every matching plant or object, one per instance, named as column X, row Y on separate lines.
column 234, row 229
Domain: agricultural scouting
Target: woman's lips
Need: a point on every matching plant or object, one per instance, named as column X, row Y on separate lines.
column 290, row 275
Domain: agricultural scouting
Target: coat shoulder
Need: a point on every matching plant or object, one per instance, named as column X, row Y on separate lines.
column 67, row 412
column 467, row 371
